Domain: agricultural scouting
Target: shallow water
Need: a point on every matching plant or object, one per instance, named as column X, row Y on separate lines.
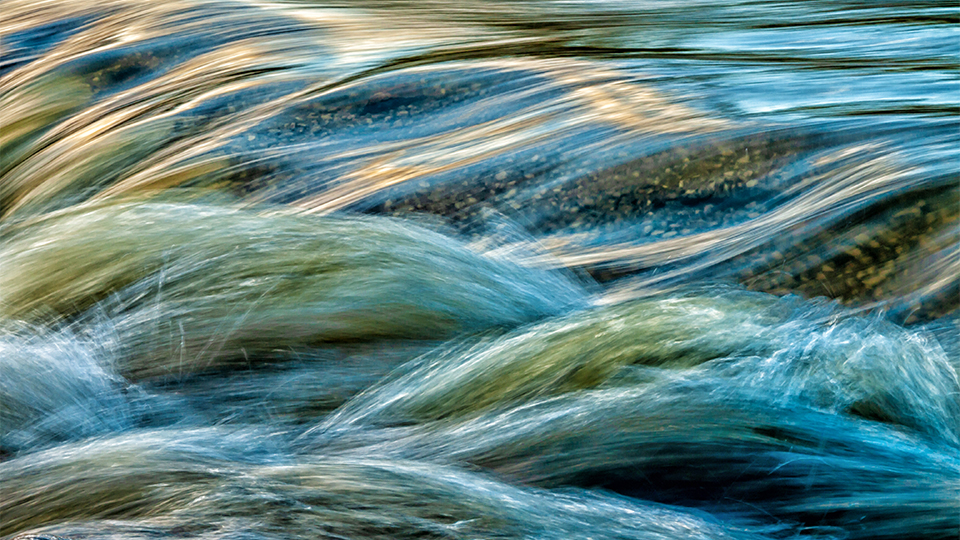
column 479, row 270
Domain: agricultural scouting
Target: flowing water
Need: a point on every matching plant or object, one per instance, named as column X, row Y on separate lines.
column 510, row 269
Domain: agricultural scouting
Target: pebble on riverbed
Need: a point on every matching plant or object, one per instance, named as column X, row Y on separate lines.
column 871, row 259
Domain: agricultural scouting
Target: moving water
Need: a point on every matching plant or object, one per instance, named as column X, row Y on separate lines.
column 513, row 269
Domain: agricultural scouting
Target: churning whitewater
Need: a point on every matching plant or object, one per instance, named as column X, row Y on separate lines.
column 460, row 270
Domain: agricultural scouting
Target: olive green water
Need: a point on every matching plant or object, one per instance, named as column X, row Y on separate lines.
column 502, row 269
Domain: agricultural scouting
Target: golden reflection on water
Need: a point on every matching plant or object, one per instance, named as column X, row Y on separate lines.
column 75, row 129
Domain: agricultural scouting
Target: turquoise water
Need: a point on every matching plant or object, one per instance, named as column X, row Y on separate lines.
column 479, row 269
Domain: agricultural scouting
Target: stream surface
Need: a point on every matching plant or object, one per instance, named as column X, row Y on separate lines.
column 473, row 269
